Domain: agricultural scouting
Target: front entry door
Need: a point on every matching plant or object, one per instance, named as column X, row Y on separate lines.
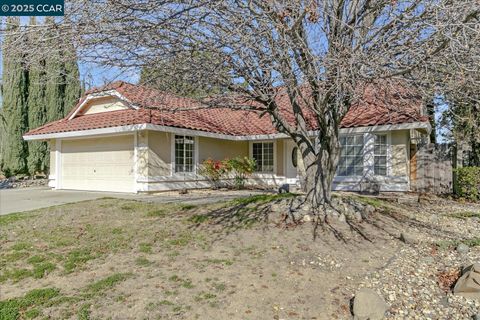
column 291, row 161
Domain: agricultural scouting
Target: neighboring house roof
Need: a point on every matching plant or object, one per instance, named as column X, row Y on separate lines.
column 150, row 106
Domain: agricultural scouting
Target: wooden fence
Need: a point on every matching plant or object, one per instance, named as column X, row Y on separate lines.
column 431, row 168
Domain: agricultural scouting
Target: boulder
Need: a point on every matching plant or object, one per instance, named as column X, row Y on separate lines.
column 408, row 238
column 278, row 208
column 462, row 248
column 358, row 216
column 368, row 305
column 307, row 218
column 469, row 284
column 367, row 211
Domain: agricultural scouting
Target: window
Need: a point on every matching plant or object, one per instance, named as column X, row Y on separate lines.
column 380, row 155
column 184, row 149
column 295, row 157
column 351, row 156
column 263, row 154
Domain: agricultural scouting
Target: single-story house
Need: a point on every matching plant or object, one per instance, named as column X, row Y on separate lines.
column 131, row 138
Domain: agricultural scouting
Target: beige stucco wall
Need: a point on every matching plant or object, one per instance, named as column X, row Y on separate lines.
column 53, row 159
column 400, row 147
column 280, row 157
column 218, row 149
column 142, row 153
column 104, row 104
column 159, row 153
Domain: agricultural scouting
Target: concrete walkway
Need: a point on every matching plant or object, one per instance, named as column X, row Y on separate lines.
column 19, row 200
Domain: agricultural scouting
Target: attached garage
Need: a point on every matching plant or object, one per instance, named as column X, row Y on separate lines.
column 98, row 164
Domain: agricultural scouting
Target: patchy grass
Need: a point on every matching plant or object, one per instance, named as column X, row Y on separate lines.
column 84, row 312
column 375, row 202
column 143, row 262
column 12, row 308
column 15, row 275
column 205, row 296
column 33, row 313
column 36, row 259
column 13, row 256
column 157, row 213
column 185, row 283
column 173, row 261
column 186, row 207
column 145, row 248
column 219, row 287
column 14, row 217
column 448, row 244
column 181, row 240
column 225, row 262
column 198, row 218
column 260, row 198
column 76, row 258
column 42, row 269
column 474, row 242
column 107, row 283
column 465, row 215
column 21, row 246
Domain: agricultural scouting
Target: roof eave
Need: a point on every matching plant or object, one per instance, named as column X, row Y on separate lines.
column 147, row 126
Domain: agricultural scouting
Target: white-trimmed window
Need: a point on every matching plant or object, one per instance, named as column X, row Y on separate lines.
column 351, row 156
column 380, row 155
column 184, row 153
column 263, row 154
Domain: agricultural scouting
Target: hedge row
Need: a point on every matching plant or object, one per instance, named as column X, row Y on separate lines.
column 468, row 183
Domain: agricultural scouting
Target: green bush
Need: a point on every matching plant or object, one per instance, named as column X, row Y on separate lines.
column 214, row 170
column 468, row 183
column 242, row 168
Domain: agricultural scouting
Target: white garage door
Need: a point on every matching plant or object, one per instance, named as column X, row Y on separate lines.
column 98, row 164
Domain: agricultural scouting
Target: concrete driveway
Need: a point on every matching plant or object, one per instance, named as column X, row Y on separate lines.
column 19, row 200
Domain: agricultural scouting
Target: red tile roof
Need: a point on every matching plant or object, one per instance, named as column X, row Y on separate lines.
column 378, row 107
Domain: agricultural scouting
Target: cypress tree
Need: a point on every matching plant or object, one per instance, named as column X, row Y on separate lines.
column 3, row 135
column 15, row 112
column 73, row 88
column 55, row 87
column 37, row 150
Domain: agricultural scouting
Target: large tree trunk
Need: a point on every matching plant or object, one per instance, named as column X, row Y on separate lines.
column 319, row 168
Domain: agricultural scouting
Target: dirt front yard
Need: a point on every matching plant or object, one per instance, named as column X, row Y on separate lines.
column 123, row 259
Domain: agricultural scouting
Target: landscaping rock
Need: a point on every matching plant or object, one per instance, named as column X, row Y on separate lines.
column 342, row 218
column 463, row 248
column 22, row 182
column 428, row 260
column 307, row 218
column 469, row 284
column 358, row 216
column 368, row 210
column 368, row 305
column 408, row 238
column 298, row 215
column 476, row 317
column 278, row 208
column 444, row 302
column 348, row 210
column 331, row 213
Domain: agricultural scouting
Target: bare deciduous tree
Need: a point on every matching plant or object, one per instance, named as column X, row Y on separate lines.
column 320, row 53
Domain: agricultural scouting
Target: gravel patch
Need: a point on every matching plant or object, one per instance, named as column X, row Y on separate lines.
column 413, row 284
